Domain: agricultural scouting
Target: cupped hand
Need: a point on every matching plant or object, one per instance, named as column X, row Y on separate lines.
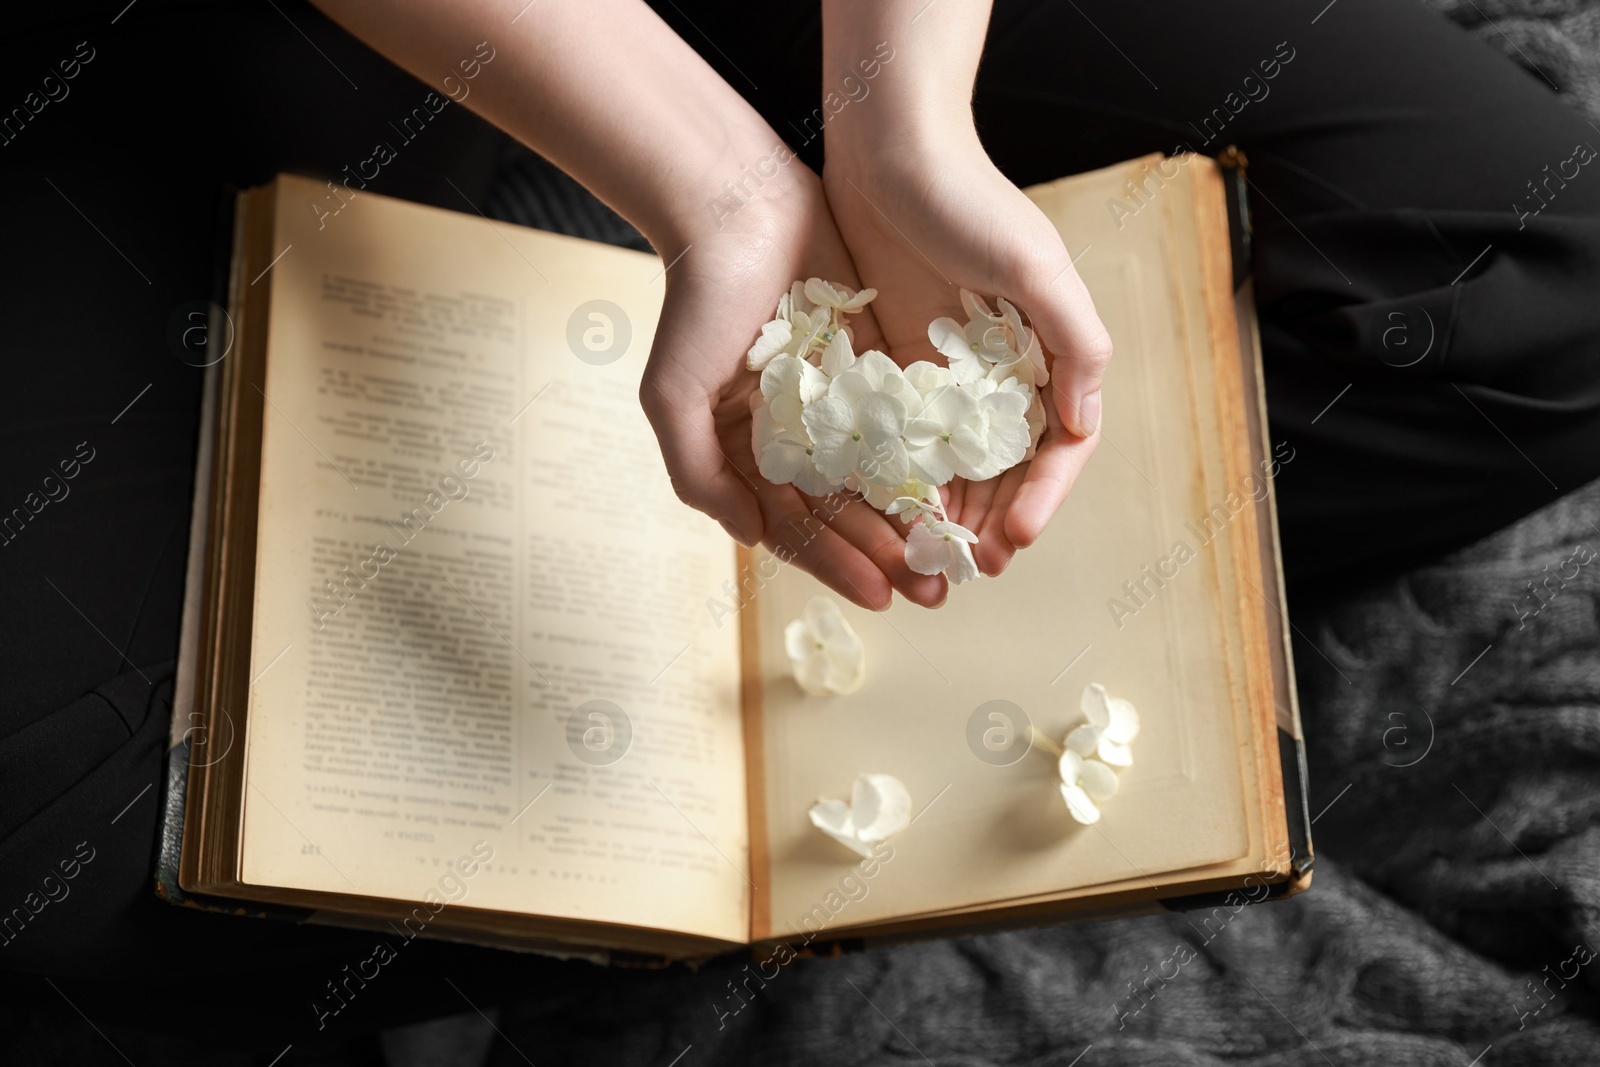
column 696, row 392
column 924, row 217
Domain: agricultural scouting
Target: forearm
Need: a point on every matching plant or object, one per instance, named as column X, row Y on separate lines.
column 924, row 94
column 605, row 90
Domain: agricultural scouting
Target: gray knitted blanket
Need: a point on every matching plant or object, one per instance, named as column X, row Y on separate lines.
column 1557, row 40
column 1453, row 720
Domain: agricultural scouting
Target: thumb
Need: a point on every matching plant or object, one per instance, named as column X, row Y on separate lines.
column 1064, row 318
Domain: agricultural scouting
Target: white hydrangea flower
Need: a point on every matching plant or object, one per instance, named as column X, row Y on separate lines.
column 914, row 500
column 775, row 338
column 789, row 384
column 976, row 307
column 778, row 435
column 880, row 807
column 840, row 298
column 825, row 653
column 839, row 354
column 1003, row 432
column 798, row 327
column 874, row 372
column 1088, row 757
column 857, row 427
column 950, row 338
column 1013, row 368
column 989, row 340
column 1112, row 726
column 1003, row 335
column 882, row 497
column 928, row 378
column 947, row 435
column 1085, row 784
column 942, row 546
column 783, row 454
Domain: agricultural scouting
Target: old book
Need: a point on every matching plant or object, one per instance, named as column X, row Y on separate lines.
column 442, row 677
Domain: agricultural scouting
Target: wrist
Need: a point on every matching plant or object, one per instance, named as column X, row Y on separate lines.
column 898, row 78
column 912, row 144
column 744, row 181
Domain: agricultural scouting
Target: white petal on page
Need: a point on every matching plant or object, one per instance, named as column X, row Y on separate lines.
column 1114, row 754
column 1124, row 724
column 880, row 805
column 1079, row 804
column 1068, row 766
column 827, row 655
column 1083, row 740
column 1097, row 779
column 832, row 817
column 1093, row 701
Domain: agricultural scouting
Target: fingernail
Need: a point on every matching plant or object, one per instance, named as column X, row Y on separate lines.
column 734, row 533
column 1089, row 414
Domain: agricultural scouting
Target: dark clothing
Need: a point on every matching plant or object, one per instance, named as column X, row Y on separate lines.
column 1431, row 351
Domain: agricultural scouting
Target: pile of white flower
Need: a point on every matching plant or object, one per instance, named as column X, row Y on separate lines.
column 827, row 419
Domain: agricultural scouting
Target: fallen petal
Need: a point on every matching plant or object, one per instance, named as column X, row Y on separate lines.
column 1083, row 740
column 880, row 806
column 832, row 817
column 1124, row 724
column 847, row 671
column 1093, row 702
column 1097, row 779
column 826, row 654
column 1078, row 803
column 1114, row 754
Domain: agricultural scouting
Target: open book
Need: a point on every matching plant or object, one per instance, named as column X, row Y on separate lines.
column 458, row 663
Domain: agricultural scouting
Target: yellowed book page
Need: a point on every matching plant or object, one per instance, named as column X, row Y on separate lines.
column 481, row 640
column 1125, row 588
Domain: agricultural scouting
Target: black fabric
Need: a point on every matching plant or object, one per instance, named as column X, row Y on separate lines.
column 1388, row 154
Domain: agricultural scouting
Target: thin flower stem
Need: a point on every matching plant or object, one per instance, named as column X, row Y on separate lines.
column 1042, row 742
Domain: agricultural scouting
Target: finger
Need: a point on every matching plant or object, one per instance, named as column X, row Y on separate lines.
column 864, row 330
column 1054, row 467
column 975, row 501
column 995, row 549
column 1071, row 331
column 702, row 474
column 877, row 537
column 801, row 532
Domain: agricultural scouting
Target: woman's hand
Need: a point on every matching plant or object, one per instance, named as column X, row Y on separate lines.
column 696, row 392
column 925, row 213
